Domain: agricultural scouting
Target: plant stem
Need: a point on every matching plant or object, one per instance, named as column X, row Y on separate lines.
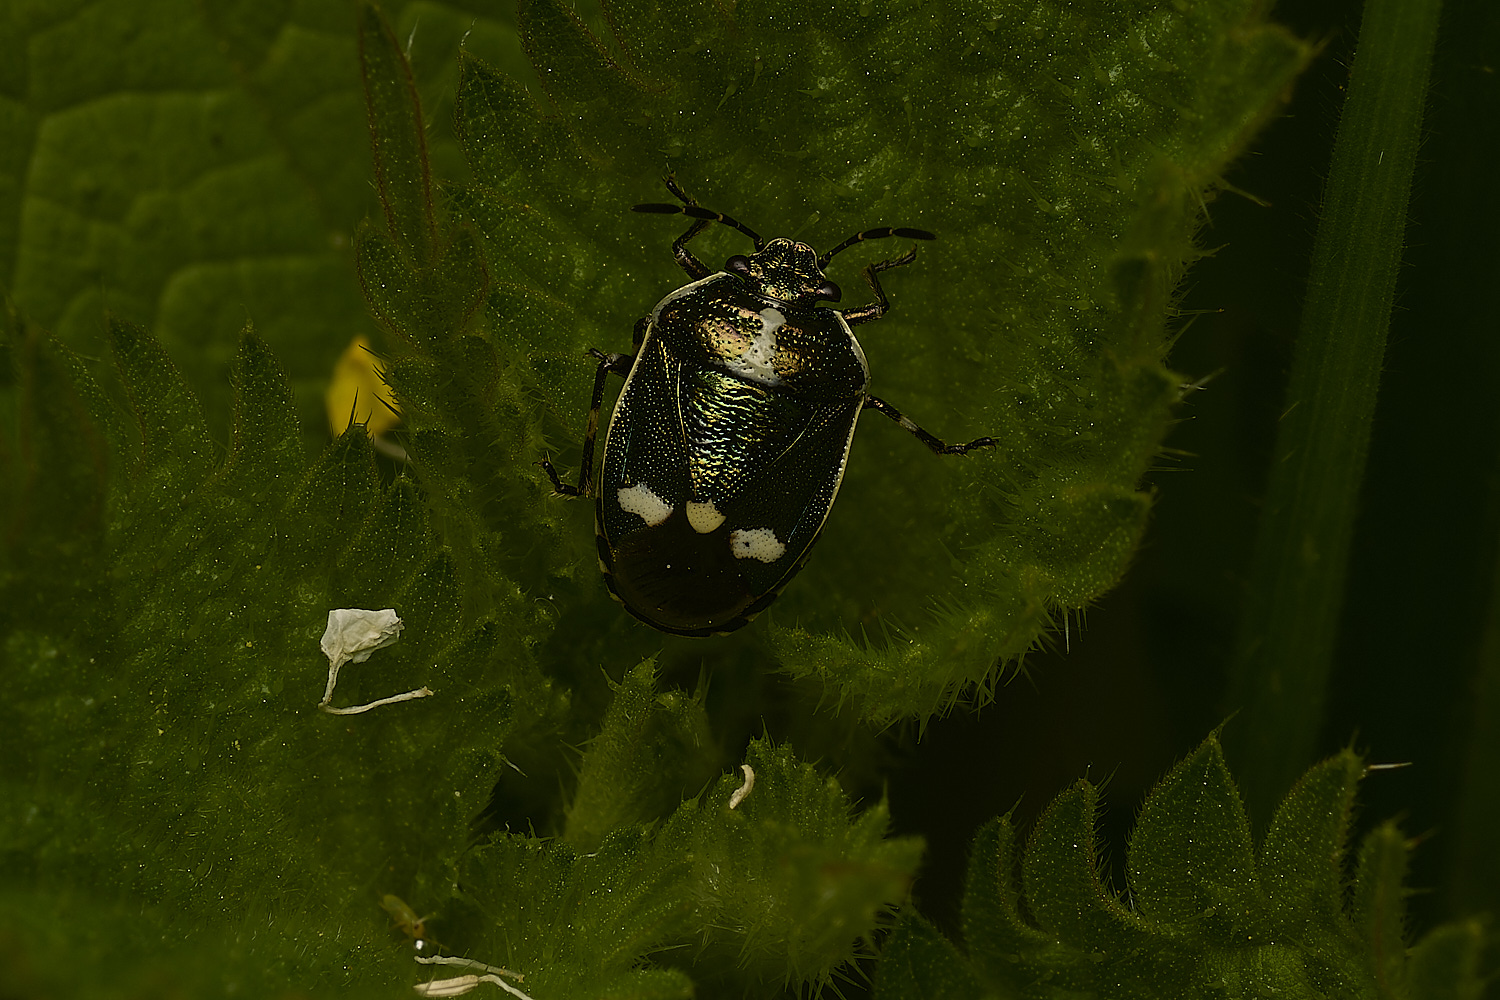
column 1285, row 650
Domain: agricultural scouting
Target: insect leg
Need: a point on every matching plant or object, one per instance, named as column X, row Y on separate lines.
column 881, row 305
column 937, row 446
column 874, row 234
column 609, row 364
column 694, row 267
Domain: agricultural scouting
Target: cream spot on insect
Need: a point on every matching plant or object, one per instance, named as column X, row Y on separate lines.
column 704, row 517
column 639, row 500
column 756, row 543
column 763, row 348
column 756, row 360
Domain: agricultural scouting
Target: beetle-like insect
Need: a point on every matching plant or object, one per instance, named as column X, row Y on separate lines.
column 728, row 443
column 413, row 926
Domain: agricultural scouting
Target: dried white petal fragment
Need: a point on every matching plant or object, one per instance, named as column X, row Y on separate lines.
column 459, row 985
column 353, row 634
column 455, row 987
column 468, row 963
column 421, row 692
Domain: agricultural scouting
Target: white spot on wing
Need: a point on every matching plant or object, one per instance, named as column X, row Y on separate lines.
column 756, row 543
column 639, row 500
column 704, row 517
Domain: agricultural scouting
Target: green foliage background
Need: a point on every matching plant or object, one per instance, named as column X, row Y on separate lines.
column 174, row 813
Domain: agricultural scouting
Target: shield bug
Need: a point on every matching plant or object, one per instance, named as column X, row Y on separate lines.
column 727, row 445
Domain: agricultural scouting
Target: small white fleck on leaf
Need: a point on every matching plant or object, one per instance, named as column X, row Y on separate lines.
column 742, row 793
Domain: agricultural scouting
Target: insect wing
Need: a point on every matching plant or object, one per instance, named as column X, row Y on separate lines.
column 644, row 474
column 712, row 492
column 777, row 513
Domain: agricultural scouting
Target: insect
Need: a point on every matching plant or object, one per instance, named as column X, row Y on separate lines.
column 728, row 443
column 413, row 926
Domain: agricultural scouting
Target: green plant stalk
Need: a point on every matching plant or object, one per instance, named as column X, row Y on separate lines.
column 1289, row 628
column 1474, row 880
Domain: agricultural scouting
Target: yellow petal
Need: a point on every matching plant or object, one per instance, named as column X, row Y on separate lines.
column 356, row 388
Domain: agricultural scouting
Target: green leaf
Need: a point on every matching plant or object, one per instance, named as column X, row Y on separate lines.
column 997, row 934
column 1444, row 965
column 176, row 757
column 334, row 497
column 506, row 138
column 1192, row 864
column 1379, row 909
column 387, row 551
column 578, row 72
column 185, row 167
column 176, row 446
column 266, row 452
column 1205, row 917
column 1309, row 834
column 56, row 493
column 427, row 305
column 919, row 963
column 651, row 754
column 796, row 882
column 779, row 890
column 1073, row 205
column 576, row 925
column 398, row 139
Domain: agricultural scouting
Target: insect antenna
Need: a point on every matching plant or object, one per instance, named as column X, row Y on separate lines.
column 874, row 234
column 693, row 210
column 698, row 212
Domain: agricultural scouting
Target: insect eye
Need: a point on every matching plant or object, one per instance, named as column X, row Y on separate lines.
column 829, row 291
column 739, row 265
